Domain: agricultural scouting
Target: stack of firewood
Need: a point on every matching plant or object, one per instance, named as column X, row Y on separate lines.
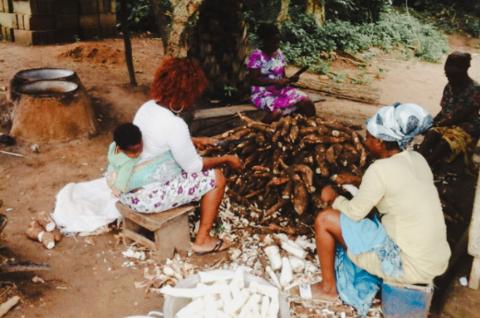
column 288, row 162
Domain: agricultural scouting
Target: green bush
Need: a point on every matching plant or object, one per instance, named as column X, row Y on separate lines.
column 141, row 16
column 451, row 16
column 303, row 41
column 356, row 11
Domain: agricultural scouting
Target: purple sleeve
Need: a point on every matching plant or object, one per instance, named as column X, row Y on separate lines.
column 254, row 61
column 281, row 57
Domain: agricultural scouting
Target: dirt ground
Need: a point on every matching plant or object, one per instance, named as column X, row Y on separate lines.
column 87, row 278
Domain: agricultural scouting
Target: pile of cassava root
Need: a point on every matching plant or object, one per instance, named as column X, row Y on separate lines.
column 289, row 161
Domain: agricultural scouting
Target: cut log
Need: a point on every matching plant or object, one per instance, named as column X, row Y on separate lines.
column 26, row 267
column 358, row 93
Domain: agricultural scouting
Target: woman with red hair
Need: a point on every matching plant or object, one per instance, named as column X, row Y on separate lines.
column 182, row 176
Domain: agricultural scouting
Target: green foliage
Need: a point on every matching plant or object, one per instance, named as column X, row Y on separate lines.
column 141, row 15
column 451, row 16
column 303, row 41
column 356, row 11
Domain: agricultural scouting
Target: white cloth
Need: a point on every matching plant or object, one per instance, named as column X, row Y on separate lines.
column 85, row 206
column 163, row 131
column 399, row 122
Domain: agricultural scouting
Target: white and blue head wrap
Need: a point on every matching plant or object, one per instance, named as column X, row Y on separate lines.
column 399, row 123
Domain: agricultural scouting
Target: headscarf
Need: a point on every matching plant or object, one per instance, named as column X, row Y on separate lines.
column 399, row 123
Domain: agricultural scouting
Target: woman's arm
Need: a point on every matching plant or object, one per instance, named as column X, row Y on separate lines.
column 258, row 79
column 202, row 142
column 369, row 194
column 347, row 178
column 184, row 152
column 181, row 145
column 456, row 118
column 213, row 162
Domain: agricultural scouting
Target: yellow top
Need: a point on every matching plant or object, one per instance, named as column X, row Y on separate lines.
column 402, row 189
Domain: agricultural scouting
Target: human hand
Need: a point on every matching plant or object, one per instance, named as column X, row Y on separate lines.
column 234, row 162
column 328, row 194
column 203, row 142
column 294, row 79
column 346, row 178
column 282, row 82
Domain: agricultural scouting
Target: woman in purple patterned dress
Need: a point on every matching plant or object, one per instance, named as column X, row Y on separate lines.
column 271, row 90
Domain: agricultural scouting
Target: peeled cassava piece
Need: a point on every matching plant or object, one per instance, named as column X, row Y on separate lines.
column 273, row 254
column 45, row 221
column 227, row 294
column 288, row 162
column 36, row 232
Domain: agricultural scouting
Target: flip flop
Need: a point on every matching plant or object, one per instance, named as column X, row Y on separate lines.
column 217, row 248
column 305, row 292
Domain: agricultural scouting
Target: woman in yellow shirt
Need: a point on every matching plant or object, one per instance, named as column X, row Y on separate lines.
column 409, row 244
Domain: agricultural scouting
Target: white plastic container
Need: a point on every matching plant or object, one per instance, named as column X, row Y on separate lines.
column 172, row 305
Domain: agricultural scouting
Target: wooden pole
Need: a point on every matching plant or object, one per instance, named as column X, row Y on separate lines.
column 127, row 42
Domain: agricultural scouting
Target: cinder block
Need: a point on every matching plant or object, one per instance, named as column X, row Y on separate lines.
column 8, row 19
column 7, row 34
column 9, row 5
column 108, row 21
column 67, row 7
column 88, row 7
column 25, row 37
column 17, row 21
column 38, row 22
column 66, row 35
column 68, row 22
column 33, row 7
column 6, row 6
column 106, row 6
column 113, row 6
column 91, row 21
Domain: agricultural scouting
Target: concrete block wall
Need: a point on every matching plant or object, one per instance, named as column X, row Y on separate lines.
column 31, row 22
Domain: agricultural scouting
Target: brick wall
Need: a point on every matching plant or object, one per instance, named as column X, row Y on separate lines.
column 31, row 22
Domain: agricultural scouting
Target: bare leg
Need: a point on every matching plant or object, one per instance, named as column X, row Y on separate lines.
column 306, row 107
column 327, row 232
column 209, row 210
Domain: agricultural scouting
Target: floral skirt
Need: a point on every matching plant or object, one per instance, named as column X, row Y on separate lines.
column 271, row 98
column 161, row 196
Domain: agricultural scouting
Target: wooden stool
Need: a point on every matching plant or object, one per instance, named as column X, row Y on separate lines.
column 162, row 232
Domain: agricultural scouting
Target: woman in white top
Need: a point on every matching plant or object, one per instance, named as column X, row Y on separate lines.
column 409, row 244
column 183, row 175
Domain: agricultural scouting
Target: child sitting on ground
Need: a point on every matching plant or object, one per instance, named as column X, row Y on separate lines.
column 126, row 172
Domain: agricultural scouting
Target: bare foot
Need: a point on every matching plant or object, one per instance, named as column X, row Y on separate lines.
column 322, row 292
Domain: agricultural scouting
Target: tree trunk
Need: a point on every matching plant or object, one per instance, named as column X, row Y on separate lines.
column 182, row 11
column 219, row 43
column 127, row 42
column 162, row 20
column 283, row 15
column 316, row 8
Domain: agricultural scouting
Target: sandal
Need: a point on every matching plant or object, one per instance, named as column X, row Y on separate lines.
column 305, row 293
column 220, row 246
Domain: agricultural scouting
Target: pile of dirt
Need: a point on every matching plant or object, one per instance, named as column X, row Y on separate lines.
column 94, row 53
